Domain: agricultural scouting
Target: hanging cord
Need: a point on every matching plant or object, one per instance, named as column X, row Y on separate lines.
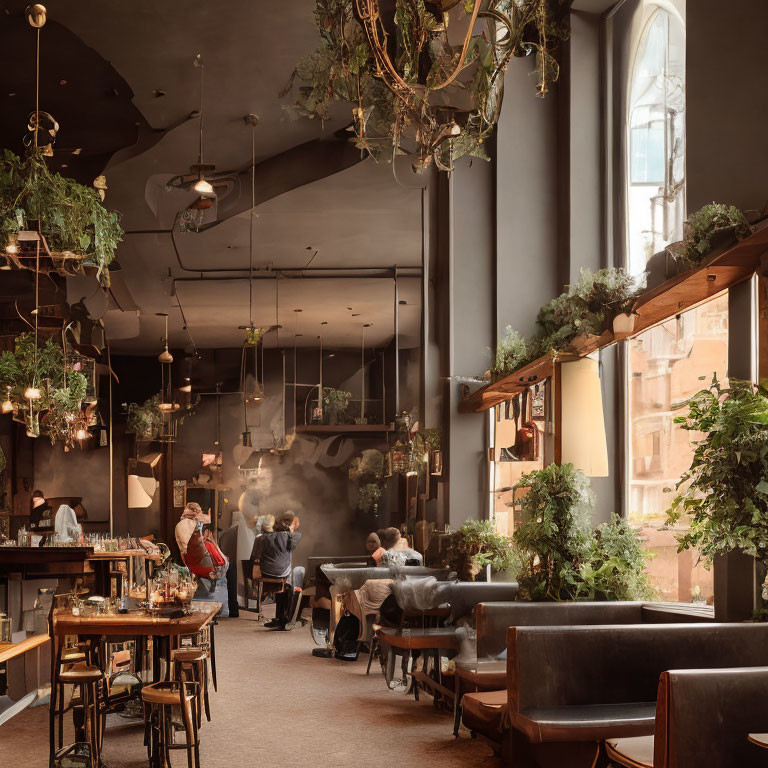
column 202, row 84
column 250, row 233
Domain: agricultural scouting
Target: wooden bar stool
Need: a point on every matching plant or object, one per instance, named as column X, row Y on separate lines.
column 190, row 665
column 159, row 699
column 87, row 679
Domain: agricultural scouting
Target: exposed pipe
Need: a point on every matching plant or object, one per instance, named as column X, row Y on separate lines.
column 397, row 345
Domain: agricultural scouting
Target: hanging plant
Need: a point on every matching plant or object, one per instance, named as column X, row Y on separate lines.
column 78, row 230
column 415, row 89
column 144, row 420
column 712, row 222
column 62, row 390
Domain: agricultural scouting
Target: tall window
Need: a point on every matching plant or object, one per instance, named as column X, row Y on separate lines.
column 656, row 140
column 667, row 365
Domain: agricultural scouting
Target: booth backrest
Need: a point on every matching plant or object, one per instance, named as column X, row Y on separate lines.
column 464, row 596
column 581, row 665
column 703, row 718
column 493, row 619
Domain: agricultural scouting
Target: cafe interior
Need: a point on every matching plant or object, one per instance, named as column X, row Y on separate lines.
column 380, row 380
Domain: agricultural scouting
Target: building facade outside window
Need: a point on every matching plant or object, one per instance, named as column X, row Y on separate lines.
column 655, row 194
column 668, row 364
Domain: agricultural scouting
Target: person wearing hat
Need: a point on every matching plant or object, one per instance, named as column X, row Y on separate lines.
column 189, row 537
column 272, row 553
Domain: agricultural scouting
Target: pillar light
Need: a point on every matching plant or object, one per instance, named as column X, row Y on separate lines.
column 583, row 438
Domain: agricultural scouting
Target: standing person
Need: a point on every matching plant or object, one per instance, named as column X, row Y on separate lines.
column 41, row 514
column 189, row 537
column 272, row 553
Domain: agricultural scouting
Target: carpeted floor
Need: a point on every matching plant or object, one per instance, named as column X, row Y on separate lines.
column 280, row 707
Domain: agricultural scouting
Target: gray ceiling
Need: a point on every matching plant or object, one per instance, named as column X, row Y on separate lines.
column 357, row 218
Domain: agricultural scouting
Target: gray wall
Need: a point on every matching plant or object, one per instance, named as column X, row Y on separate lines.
column 727, row 57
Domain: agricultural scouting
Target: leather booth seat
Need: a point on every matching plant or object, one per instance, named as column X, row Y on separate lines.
column 487, row 713
column 590, row 683
column 703, row 717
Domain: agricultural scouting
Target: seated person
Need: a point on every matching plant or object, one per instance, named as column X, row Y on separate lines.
column 272, row 553
column 397, row 550
column 373, row 547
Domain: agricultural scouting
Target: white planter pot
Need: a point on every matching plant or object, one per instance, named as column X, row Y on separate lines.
column 624, row 323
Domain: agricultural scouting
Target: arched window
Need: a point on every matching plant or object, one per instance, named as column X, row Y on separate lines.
column 656, row 139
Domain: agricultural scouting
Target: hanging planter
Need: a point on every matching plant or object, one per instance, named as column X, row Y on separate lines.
column 52, row 223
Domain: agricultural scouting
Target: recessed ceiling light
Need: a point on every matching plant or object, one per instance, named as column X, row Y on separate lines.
column 331, row 354
column 77, row 151
column 62, row 82
column 11, row 95
column 64, row 165
column 355, row 314
column 158, row 93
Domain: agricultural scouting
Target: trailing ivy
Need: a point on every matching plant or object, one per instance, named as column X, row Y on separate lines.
column 70, row 216
column 587, row 307
column 702, row 226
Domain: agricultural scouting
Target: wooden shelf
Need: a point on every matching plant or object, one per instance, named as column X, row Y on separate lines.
column 679, row 293
column 344, row 429
column 10, row 651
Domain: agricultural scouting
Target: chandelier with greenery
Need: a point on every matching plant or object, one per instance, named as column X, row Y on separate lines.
column 425, row 78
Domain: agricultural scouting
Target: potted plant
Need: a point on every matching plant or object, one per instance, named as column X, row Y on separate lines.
column 724, row 493
column 712, row 226
column 562, row 557
column 335, row 404
column 144, row 420
column 369, row 497
column 476, row 545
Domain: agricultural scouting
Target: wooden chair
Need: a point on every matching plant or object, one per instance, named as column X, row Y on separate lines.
column 257, row 586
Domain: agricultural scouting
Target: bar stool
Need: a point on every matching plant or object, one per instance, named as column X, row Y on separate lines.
column 87, row 678
column 190, row 665
column 158, row 700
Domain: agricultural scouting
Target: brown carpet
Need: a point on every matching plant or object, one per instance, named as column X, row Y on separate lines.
column 280, row 707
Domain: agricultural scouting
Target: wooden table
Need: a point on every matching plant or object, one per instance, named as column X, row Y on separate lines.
column 9, row 651
column 131, row 624
column 430, row 641
column 136, row 622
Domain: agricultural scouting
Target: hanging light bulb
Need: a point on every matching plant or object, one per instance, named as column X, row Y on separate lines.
column 186, row 386
column 32, row 393
column 7, row 403
column 204, row 188
column 82, row 434
column 12, row 247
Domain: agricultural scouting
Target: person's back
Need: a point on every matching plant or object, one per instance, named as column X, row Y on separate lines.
column 272, row 551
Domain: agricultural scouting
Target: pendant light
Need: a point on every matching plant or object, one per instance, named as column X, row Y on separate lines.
column 7, row 406
column 165, row 358
column 202, row 186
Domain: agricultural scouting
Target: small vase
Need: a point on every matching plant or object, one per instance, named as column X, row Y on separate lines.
column 624, row 323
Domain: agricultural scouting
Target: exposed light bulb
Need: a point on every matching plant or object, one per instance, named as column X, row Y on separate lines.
column 7, row 406
column 203, row 187
column 12, row 248
column 82, row 434
column 32, row 393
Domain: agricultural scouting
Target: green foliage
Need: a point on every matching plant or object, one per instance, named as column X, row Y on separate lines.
column 431, row 116
column 369, row 496
column 587, row 307
column 62, row 390
column 477, row 544
column 701, row 226
column 724, row 493
column 144, row 420
column 433, row 438
column 563, row 557
column 335, row 404
column 71, row 217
